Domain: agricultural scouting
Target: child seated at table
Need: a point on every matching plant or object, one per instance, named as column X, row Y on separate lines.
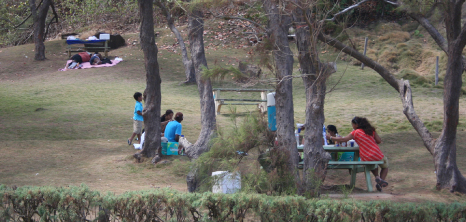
column 332, row 132
column 365, row 135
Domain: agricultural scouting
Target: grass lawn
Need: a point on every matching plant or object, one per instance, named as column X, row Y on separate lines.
column 67, row 128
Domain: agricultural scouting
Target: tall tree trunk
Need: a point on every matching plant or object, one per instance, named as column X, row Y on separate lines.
column 152, row 94
column 39, row 27
column 278, row 25
column 448, row 175
column 315, row 157
column 204, row 86
column 188, row 63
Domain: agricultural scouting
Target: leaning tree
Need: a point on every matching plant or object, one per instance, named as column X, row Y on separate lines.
column 204, row 86
column 188, row 63
column 443, row 148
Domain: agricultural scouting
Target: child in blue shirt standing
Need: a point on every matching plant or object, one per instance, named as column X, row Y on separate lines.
column 137, row 118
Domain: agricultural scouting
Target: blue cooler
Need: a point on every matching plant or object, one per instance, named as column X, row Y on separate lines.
column 271, row 112
column 345, row 156
column 170, row 149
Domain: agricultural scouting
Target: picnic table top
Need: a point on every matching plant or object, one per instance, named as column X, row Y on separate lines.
column 79, row 41
column 332, row 148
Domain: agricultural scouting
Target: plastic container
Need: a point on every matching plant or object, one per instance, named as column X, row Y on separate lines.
column 271, row 112
column 170, row 149
column 271, row 99
column 296, row 135
column 345, row 156
column 324, row 134
column 226, row 182
column 272, row 118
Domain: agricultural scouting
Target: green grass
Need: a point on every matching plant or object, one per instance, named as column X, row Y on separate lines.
column 71, row 127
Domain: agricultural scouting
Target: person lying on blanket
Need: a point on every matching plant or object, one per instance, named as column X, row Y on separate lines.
column 96, row 59
column 78, row 59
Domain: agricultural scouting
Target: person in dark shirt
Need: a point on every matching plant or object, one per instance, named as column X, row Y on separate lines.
column 164, row 119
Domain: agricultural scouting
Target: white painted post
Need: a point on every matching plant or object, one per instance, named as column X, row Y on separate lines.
column 263, row 105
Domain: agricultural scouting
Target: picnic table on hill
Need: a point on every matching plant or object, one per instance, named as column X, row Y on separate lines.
column 355, row 166
column 95, row 46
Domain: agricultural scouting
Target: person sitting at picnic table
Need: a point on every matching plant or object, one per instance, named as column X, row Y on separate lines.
column 365, row 135
column 173, row 128
column 165, row 119
column 78, row 59
column 332, row 132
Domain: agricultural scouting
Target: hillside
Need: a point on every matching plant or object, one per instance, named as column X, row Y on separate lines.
column 66, row 128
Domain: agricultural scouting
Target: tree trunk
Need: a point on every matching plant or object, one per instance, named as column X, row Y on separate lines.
column 152, row 94
column 188, row 63
column 448, row 175
column 278, row 26
column 315, row 157
column 39, row 27
column 204, row 86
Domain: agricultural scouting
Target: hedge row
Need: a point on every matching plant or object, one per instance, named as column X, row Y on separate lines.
column 82, row 204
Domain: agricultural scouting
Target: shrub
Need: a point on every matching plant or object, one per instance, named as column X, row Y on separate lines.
column 82, row 204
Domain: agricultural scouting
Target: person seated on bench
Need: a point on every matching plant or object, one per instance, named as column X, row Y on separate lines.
column 173, row 128
column 365, row 135
column 78, row 59
column 165, row 119
column 332, row 132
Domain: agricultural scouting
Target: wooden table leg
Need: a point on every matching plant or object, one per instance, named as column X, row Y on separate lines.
column 353, row 176
column 367, row 171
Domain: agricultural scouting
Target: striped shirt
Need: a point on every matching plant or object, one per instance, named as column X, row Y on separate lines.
column 368, row 148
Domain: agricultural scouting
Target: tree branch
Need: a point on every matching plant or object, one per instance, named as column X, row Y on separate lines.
column 402, row 87
column 37, row 7
column 434, row 33
column 346, row 10
column 461, row 41
column 240, row 18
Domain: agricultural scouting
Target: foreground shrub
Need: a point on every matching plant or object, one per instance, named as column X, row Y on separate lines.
column 82, row 204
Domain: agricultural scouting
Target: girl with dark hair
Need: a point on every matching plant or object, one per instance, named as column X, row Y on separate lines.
column 365, row 135
column 331, row 132
column 164, row 119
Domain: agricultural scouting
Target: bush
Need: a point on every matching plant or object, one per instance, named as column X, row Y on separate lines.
column 82, row 204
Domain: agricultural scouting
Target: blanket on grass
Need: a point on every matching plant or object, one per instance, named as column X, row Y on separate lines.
column 87, row 65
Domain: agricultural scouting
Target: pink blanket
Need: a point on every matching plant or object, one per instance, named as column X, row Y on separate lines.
column 87, row 65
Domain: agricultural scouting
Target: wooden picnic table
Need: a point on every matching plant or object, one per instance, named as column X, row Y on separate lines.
column 355, row 166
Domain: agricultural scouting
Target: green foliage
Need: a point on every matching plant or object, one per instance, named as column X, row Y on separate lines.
column 79, row 13
column 221, row 73
column 82, row 204
column 418, row 34
column 415, row 79
column 73, row 14
column 251, row 133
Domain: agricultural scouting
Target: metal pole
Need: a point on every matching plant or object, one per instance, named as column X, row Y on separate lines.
column 436, row 72
column 365, row 49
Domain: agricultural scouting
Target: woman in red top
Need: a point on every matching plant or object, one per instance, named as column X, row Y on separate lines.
column 367, row 138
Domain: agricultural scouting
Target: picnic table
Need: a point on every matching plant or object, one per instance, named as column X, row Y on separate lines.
column 355, row 166
column 223, row 101
column 102, row 46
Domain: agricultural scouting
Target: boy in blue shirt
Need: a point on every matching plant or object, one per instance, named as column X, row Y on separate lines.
column 137, row 118
column 173, row 128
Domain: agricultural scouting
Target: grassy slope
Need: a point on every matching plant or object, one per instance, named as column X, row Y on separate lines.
column 60, row 128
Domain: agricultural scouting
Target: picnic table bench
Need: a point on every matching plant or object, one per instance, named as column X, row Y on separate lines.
column 354, row 166
column 96, row 46
column 262, row 103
